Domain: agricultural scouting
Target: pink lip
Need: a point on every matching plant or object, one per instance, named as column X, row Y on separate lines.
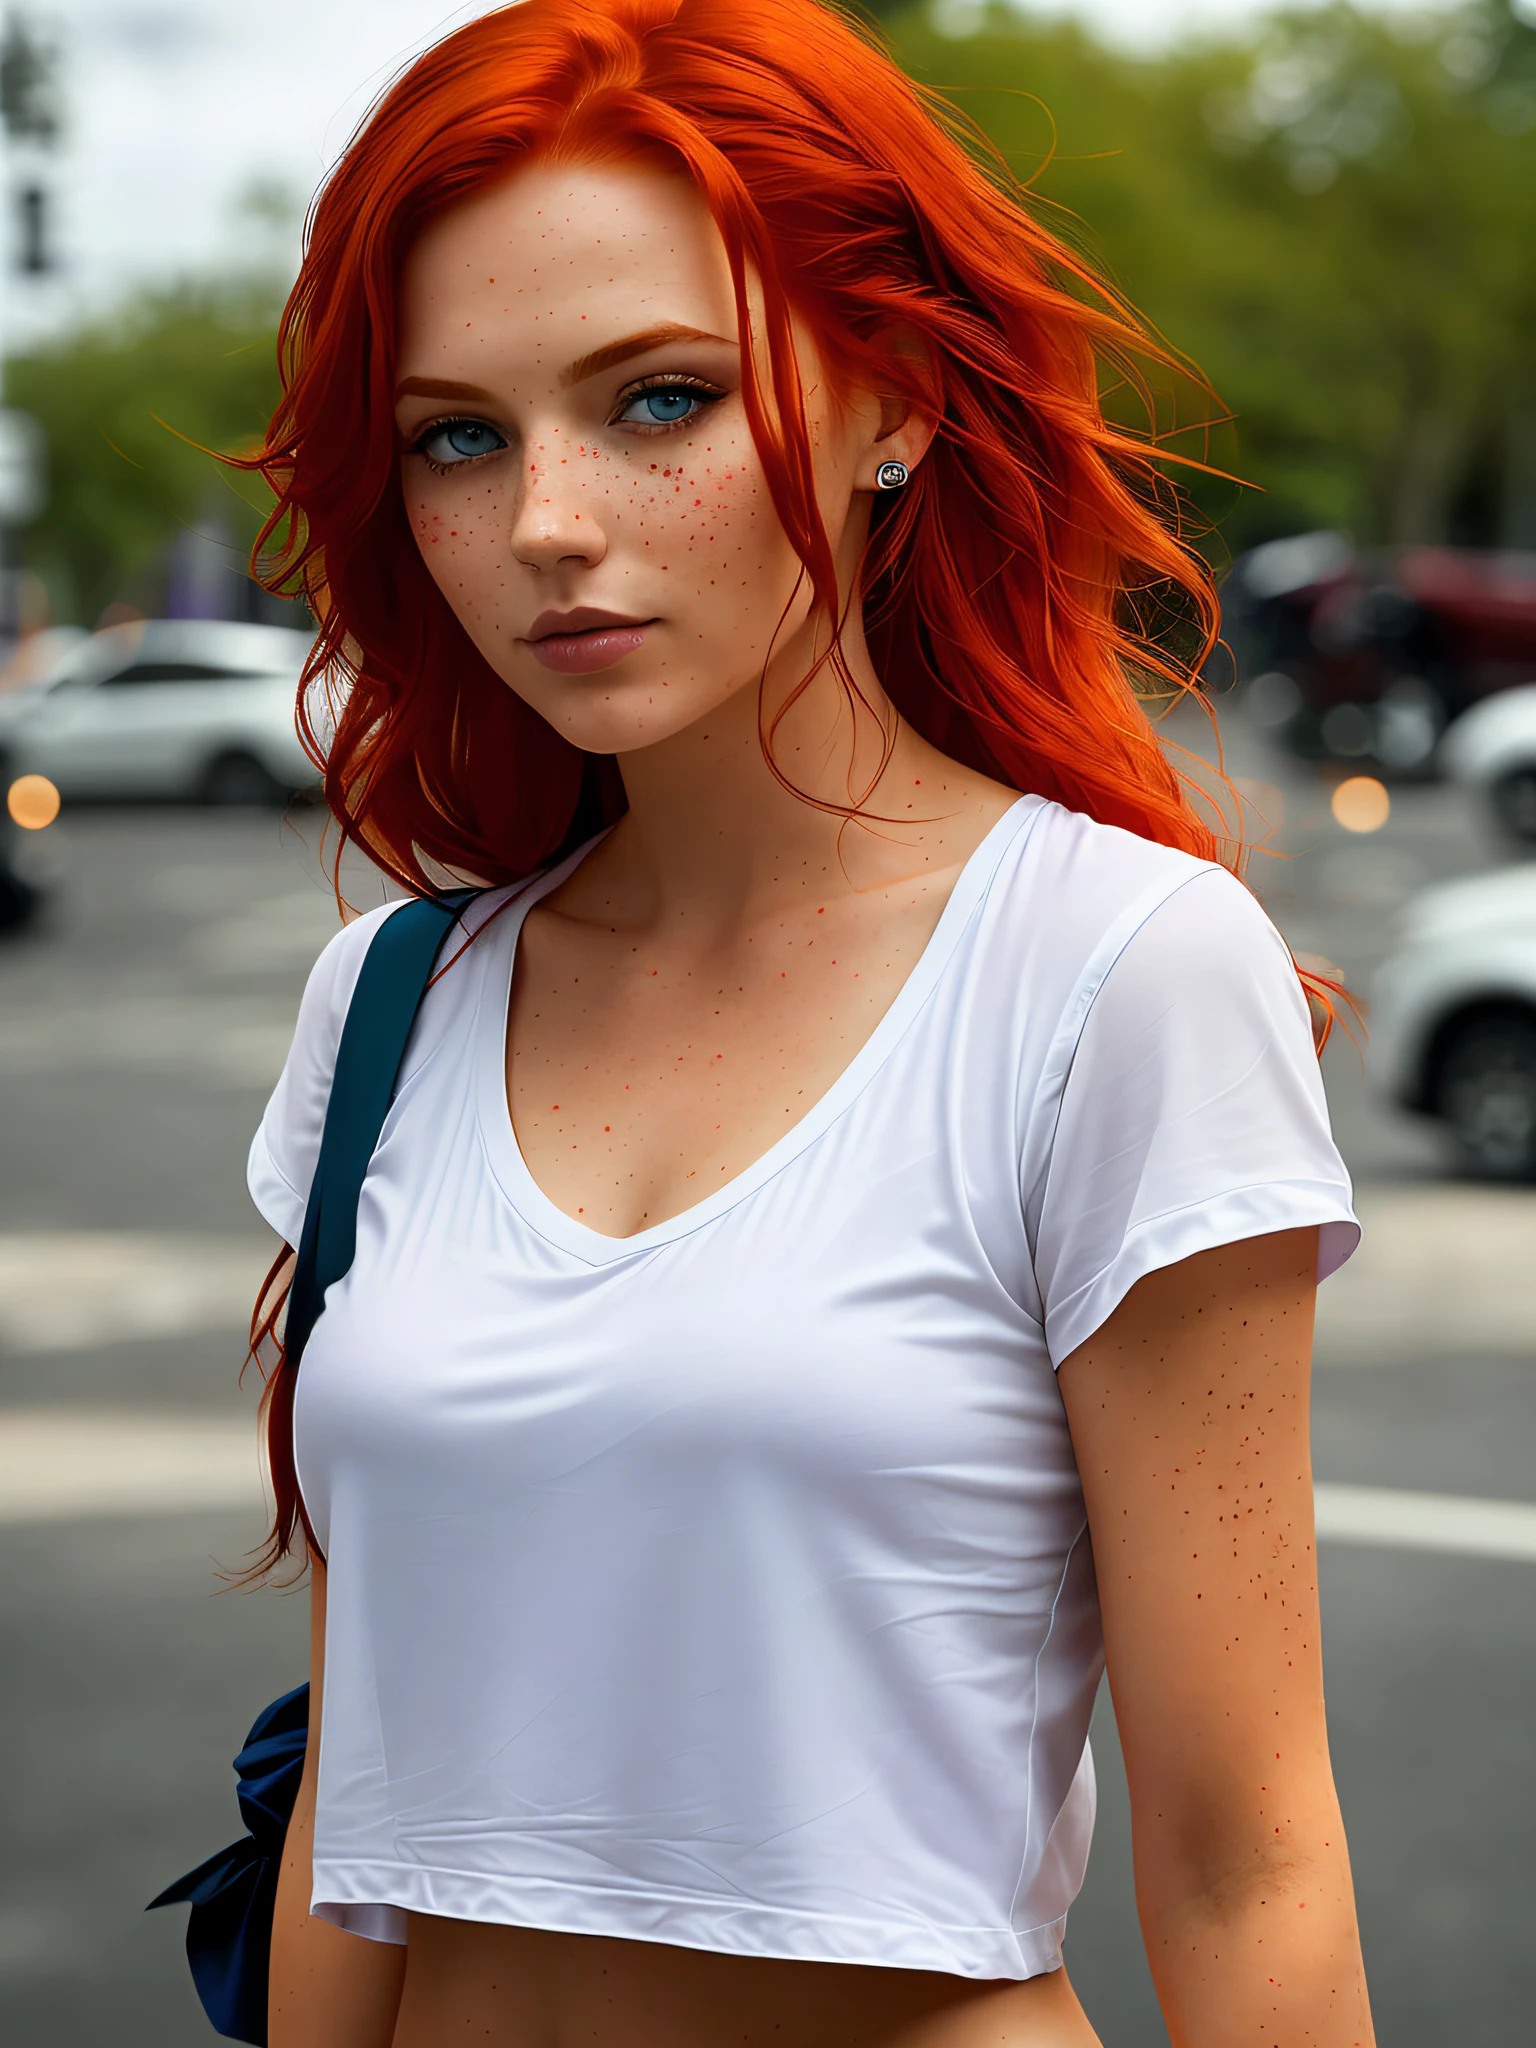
column 581, row 641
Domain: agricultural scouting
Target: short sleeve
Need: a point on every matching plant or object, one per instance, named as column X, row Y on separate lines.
column 1192, row 1113
column 287, row 1142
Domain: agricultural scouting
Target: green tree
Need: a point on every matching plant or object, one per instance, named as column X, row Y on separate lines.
column 130, row 407
column 1333, row 215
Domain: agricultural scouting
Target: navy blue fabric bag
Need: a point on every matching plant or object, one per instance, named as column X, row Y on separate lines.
column 233, row 1894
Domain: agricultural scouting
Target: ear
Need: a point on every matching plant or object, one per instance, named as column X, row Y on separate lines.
column 906, row 428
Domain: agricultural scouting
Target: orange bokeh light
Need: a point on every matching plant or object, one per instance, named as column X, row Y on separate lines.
column 1361, row 804
column 33, row 802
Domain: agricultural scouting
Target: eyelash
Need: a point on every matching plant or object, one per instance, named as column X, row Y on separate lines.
column 455, row 419
column 699, row 387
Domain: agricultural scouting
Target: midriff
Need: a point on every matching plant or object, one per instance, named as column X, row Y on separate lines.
column 513, row 1987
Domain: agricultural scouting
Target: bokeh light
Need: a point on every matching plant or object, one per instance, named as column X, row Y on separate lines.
column 32, row 801
column 1361, row 804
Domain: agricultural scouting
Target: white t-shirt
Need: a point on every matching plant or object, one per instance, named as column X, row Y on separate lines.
column 729, row 1585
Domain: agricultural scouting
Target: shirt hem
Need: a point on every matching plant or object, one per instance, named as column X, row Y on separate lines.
column 1205, row 1225
column 371, row 1899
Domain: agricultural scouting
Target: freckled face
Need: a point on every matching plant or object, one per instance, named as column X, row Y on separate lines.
column 579, row 473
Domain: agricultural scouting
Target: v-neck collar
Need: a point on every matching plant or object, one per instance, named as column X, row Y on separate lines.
column 595, row 1247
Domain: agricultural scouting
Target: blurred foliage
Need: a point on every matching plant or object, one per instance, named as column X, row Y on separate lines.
column 131, row 406
column 1332, row 213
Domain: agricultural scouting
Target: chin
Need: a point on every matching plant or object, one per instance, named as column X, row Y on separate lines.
column 616, row 714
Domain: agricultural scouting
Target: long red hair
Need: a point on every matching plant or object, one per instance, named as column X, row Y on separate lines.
column 1019, row 595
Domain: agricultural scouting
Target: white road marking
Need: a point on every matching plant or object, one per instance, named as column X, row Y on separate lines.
column 79, row 1464
column 67, row 1464
column 1448, row 1522
column 219, row 1040
column 83, row 1290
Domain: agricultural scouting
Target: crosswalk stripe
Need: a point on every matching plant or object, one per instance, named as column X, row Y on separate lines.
column 64, row 1464
column 1401, row 1520
column 67, row 1464
column 63, row 1290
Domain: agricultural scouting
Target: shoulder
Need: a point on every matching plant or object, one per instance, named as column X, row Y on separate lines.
column 1072, row 896
column 1102, row 865
column 334, row 975
column 287, row 1143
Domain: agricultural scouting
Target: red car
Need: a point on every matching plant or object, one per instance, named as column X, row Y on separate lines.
column 1370, row 656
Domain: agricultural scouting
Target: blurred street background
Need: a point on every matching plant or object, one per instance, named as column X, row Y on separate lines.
column 1332, row 210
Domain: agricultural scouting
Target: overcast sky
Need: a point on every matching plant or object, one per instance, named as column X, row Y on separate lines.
column 177, row 107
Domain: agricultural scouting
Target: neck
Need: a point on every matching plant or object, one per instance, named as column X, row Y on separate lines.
column 711, row 831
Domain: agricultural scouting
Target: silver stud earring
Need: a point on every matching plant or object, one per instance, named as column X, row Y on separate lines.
column 890, row 476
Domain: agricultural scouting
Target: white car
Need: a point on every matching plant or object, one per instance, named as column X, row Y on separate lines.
column 198, row 709
column 1453, row 1018
column 1493, row 747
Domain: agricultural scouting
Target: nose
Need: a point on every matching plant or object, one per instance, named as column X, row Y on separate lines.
column 557, row 520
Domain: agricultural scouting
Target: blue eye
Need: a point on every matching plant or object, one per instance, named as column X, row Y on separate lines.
column 664, row 405
column 451, row 442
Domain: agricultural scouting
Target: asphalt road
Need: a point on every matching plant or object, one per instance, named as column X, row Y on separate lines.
column 141, row 1025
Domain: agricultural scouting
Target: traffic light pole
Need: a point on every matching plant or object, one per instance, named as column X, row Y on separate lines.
column 29, row 114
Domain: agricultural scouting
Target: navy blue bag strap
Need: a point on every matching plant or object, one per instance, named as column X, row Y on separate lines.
column 395, row 972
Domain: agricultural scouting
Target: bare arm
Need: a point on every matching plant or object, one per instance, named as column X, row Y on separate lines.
column 327, row 1989
column 1189, row 1413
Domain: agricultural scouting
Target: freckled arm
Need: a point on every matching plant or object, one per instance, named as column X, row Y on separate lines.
column 1189, row 1413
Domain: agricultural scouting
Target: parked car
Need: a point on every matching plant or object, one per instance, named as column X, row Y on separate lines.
column 36, row 655
column 197, row 709
column 1494, row 749
column 1370, row 656
column 1453, row 1018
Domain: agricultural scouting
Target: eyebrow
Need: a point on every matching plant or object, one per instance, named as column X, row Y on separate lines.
column 586, row 366
column 635, row 345
column 439, row 387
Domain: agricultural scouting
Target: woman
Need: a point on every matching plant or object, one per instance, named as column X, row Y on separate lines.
column 842, row 1252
